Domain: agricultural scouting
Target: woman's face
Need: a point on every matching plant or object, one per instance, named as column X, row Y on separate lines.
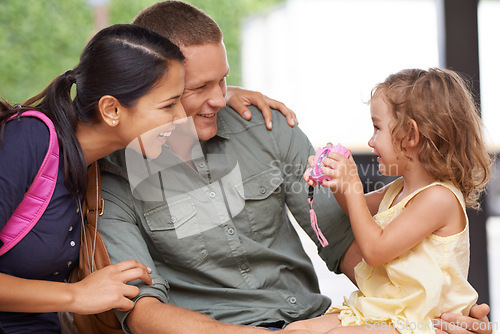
column 152, row 119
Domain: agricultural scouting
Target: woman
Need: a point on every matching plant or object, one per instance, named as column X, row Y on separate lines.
column 128, row 82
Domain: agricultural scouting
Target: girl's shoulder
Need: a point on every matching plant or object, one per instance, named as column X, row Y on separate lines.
column 443, row 202
column 440, row 193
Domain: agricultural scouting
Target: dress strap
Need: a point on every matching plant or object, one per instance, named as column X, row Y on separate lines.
column 450, row 186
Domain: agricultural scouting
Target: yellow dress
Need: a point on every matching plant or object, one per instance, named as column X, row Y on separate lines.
column 416, row 287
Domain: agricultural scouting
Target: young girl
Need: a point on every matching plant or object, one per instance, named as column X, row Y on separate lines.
column 413, row 233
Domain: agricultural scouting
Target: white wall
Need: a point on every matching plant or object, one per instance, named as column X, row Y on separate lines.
column 322, row 58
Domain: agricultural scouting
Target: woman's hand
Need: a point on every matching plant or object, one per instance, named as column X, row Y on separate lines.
column 106, row 288
column 239, row 98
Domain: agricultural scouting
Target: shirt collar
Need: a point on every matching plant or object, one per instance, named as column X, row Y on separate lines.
column 222, row 130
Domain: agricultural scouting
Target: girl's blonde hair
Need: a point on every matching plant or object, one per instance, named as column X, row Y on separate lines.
column 450, row 128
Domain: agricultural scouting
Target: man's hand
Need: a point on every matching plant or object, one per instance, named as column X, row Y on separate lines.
column 476, row 322
column 239, row 98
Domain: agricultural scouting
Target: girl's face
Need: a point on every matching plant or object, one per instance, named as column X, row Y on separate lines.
column 389, row 158
column 152, row 119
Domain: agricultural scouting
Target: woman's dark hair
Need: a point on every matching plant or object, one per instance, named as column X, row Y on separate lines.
column 124, row 61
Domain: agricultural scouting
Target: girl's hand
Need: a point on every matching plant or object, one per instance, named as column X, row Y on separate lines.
column 306, row 173
column 106, row 288
column 239, row 98
column 344, row 174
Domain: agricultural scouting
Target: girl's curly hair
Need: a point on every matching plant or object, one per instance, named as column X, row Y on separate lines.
column 450, row 128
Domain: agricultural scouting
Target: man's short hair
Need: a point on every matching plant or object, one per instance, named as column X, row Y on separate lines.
column 181, row 23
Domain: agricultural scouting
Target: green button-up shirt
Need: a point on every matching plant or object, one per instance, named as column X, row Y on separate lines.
column 217, row 236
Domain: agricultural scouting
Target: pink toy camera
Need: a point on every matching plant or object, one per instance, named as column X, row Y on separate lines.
column 316, row 174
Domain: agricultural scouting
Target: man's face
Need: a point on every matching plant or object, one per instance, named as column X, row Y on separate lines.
column 204, row 94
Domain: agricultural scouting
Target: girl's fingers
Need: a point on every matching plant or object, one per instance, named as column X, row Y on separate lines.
column 310, row 160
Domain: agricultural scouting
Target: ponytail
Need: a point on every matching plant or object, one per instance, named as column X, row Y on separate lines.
column 56, row 103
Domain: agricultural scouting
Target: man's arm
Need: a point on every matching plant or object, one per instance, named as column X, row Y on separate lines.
column 152, row 316
column 122, row 236
column 351, row 258
column 294, row 149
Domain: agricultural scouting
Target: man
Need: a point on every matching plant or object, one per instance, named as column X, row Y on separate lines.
column 212, row 221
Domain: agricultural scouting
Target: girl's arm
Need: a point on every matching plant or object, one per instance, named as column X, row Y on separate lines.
column 426, row 213
column 373, row 198
column 100, row 291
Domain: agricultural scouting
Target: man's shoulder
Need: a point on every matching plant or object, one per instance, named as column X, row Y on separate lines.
column 234, row 123
column 234, row 120
column 114, row 164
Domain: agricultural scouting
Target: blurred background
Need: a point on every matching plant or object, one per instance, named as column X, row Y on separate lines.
column 320, row 57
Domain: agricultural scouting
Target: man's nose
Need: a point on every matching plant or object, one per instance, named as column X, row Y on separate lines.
column 217, row 98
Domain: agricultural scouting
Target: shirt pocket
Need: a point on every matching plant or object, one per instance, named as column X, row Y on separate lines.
column 175, row 232
column 264, row 203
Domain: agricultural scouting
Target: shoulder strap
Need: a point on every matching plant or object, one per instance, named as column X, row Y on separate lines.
column 450, row 186
column 94, row 203
column 390, row 194
column 38, row 196
column 93, row 253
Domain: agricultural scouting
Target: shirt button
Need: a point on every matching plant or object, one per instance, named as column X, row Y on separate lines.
column 173, row 219
column 72, row 243
column 230, row 231
column 56, row 273
column 77, row 210
column 201, row 164
column 70, row 263
column 244, row 266
column 293, row 300
column 212, row 194
column 71, row 228
column 262, row 190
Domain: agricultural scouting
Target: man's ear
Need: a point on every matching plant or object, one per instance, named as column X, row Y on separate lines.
column 109, row 107
column 413, row 137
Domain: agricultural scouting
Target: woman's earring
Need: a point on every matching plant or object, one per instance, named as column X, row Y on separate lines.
column 114, row 122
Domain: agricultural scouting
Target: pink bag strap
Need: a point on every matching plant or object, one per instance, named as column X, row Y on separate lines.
column 38, row 196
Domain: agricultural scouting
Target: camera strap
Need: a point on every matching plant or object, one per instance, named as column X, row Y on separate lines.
column 314, row 219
